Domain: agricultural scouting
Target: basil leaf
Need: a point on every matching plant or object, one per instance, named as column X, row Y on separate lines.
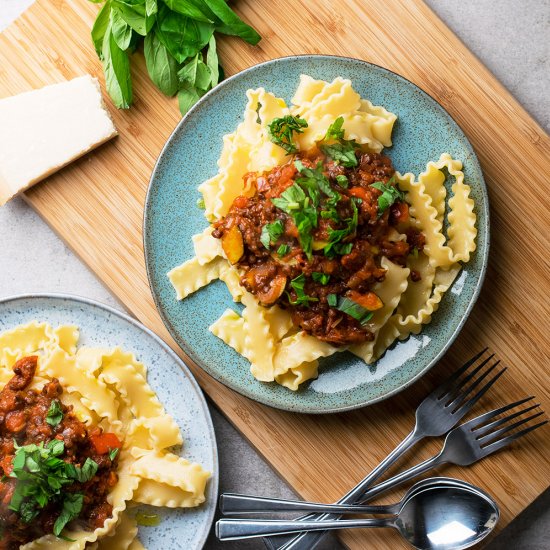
column 284, row 249
column 122, row 32
column 187, row 97
column 322, row 278
column 85, row 473
column 72, row 506
column 135, row 15
column 335, row 130
column 298, row 284
column 212, row 62
column 116, row 66
column 335, row 236
column 151, row 7
column 161, row 66
column 113, row 454
column 201, row 204
column 280, row 131
column 187, row 8
column 231, row 23
column 353, row 309
column 271, row 233
column 342, row 181
column 56, row 447
column 99, row 29
column 343, row 153
column 183, row 37
column 196, row 74
column 332, row 300
column 55, row 413
column 389, row 195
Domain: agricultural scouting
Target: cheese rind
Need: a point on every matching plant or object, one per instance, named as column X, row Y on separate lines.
column 43, row 130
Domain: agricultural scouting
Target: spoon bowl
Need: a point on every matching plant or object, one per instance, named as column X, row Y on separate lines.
column 435, row 514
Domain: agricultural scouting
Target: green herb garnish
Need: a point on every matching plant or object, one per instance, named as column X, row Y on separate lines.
column 322, row 278
column 280, row 131
column 298, row 284
column 343, row 153
column 332, row 300
column 55, row 413
column 389, row 195
column 72, row 506
column 336, row 236
column 271, row 233
column 113, row 453
column 201, row 204
column 283, row 250
column 342, row 181
column 335, row 131
column 41, row 478
column 147, row 520
column 353, row 309
column 179, row 44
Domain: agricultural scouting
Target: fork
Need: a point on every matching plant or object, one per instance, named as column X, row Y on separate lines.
column 435, row 416
column 463, row 446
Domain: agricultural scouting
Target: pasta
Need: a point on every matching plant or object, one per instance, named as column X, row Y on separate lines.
column 409, row 290
column 108, row 388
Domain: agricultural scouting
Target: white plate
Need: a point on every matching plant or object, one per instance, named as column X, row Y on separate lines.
column 174, row 384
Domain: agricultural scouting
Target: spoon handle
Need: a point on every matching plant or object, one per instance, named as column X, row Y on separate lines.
column 235, row 529
column 309, row 541
column 244, row 504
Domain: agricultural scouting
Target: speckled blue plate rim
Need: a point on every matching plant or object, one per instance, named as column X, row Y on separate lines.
column 214, row 480
column 295, row 406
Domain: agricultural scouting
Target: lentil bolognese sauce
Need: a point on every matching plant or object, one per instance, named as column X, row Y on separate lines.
column 54, row 468
column 309, row 236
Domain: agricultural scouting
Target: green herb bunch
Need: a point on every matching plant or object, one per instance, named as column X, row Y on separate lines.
column 179, row 45
column 42, row 478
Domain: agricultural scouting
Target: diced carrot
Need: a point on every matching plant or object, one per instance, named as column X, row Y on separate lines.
column 359, row 192
column 369, row 300
column 105, row 442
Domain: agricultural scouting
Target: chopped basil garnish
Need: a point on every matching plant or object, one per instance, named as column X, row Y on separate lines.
column 389, row 195
column 113, row 454
column 41, row 477
column 343, row 153
column 147, row 520
column 322, row 278
column 342, row 181
column 336, row 236
column 353, row 309
column 271, row 233
column 281, row 129
column 200, row 203
column 335, row 130
column 332, row 300
column 55, row 413
column 283, row 250
column 72, row 505
column 298, row 284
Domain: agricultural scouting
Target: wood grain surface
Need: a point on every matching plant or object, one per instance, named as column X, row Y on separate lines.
column 96, row 206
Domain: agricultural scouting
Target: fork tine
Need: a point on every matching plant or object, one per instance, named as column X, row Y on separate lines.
column 480, row 420
column 459, row 397
column 498, row 445
column 449, row 383
column 482, row 431
column 494, row 436
column 456, row 390
column 463, row 409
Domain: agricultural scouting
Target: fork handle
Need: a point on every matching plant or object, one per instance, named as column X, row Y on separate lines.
column 308, row 540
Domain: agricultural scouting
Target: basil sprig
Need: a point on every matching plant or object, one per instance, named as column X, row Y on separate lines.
column 41, row 479
column 342, row 151
column 298, row 284
column 179, row 44
column 390, row 194
column 281, row 131
column 55, row 413
column 271, row 233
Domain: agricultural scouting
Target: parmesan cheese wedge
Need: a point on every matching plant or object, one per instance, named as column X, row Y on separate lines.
column 43, row 130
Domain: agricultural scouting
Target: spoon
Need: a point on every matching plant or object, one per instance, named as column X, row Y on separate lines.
column 431, row 516
column 235, row 504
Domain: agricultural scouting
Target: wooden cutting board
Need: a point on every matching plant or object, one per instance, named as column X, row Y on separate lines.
column 96, row 206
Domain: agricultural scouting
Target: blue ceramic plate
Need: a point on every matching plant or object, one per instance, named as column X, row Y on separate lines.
column 102, row 326
column 423, row 131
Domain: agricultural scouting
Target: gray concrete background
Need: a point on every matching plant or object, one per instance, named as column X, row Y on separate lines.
column 510, row 36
